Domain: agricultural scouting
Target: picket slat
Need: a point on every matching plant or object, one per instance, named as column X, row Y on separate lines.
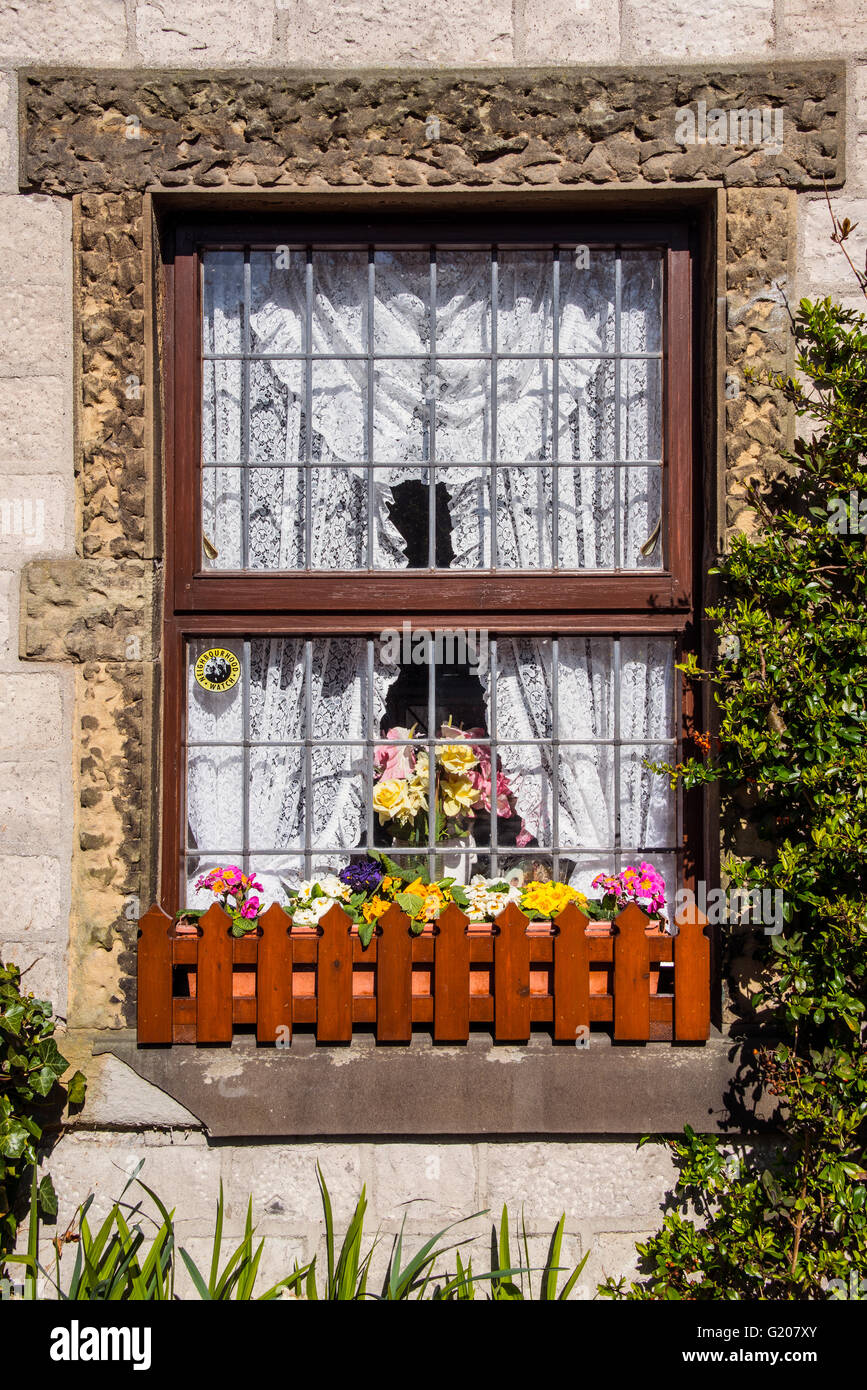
column 691, row 976
column 214, row 978
column 452, row 977
column 334, row 978
column 571, row 975
column 631, row 976
column 394, row 978
column 154, row 996
column 274, row 977
column 512, row 976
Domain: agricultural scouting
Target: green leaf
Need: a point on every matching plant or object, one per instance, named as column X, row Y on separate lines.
column 410, row 903
column 47, row 1197
column 76, row 1088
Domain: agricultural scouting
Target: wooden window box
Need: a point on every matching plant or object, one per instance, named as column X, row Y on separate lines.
column 508, row 976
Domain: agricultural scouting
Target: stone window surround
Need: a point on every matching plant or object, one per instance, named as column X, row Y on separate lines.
column 103, row 610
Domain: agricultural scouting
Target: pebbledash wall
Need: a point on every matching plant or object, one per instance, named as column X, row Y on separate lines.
column 107, row 110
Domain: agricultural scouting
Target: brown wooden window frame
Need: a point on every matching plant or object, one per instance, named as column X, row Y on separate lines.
column 200, row 602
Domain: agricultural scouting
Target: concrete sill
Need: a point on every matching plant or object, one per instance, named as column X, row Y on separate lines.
column 538, row 1089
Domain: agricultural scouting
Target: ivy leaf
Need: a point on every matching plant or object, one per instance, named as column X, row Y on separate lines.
column 44, row 1080
column 76, row 1089
column 47, row 1197
column 14, row 1141
column 12, row 1018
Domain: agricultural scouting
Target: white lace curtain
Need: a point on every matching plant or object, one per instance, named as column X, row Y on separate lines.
column 317, row 516
column 591, row 787
column 282, row 809
column 290, row 681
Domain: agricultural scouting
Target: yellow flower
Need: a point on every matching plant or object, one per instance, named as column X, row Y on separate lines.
column 457, row 758
column 458, row 794
column 416, row 793
column 550, row 898
column 390, row 801
column 375, row 908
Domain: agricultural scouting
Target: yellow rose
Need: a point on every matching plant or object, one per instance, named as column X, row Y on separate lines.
column 390, row 800
column 457, row 758
column 458, row 794
column 416, row 793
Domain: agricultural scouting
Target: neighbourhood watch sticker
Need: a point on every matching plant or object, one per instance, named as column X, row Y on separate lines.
column 218, row 669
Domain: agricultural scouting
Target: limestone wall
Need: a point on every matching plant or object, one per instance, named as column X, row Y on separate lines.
column 77, row 712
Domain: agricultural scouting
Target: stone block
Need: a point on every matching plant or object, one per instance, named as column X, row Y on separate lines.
column 587, row 31
column 31, row 712
column 186, row 1177
column 43, row 966
column 698, row 29
column 35, row 424
column 282, row 1181
column 38, row 907
column 82, row 610
column 612, row 1255
column 34, row 239
column 207, row 32
column 36, row 294
column 395, row 32
column 820, row 28
column 34, row 515
column 823, row 266
column 118, row 1099
column 612, row 1184
column 859, row 93
column 33, row 806
column 63, row 31
column 8, row 615
column 431, row 1182
column 35, row 341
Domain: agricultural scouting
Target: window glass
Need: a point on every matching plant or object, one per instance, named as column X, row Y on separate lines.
column 432, row 409
column 533, row 753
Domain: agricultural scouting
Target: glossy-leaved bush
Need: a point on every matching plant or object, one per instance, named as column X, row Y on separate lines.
column 791, row 691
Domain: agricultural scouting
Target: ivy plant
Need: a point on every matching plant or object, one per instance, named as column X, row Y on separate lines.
column 31, row 1065
column 791, row 692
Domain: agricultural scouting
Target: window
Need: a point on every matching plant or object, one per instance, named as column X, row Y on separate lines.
column 431, row 491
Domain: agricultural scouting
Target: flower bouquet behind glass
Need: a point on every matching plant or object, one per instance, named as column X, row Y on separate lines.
column 463, row 783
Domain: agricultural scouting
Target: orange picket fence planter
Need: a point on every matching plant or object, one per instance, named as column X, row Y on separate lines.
column 198, row 984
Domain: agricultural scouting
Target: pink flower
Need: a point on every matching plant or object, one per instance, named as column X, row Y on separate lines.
column 251, row 907
column 395, row 763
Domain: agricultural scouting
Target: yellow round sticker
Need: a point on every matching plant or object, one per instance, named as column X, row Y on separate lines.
column 217, row 669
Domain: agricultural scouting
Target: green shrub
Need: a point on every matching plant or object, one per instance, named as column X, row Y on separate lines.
column 792, row 699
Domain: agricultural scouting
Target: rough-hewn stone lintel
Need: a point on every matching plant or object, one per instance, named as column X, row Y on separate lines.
column 511, row 127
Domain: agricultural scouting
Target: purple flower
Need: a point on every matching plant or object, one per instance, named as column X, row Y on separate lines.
column 363, row 877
